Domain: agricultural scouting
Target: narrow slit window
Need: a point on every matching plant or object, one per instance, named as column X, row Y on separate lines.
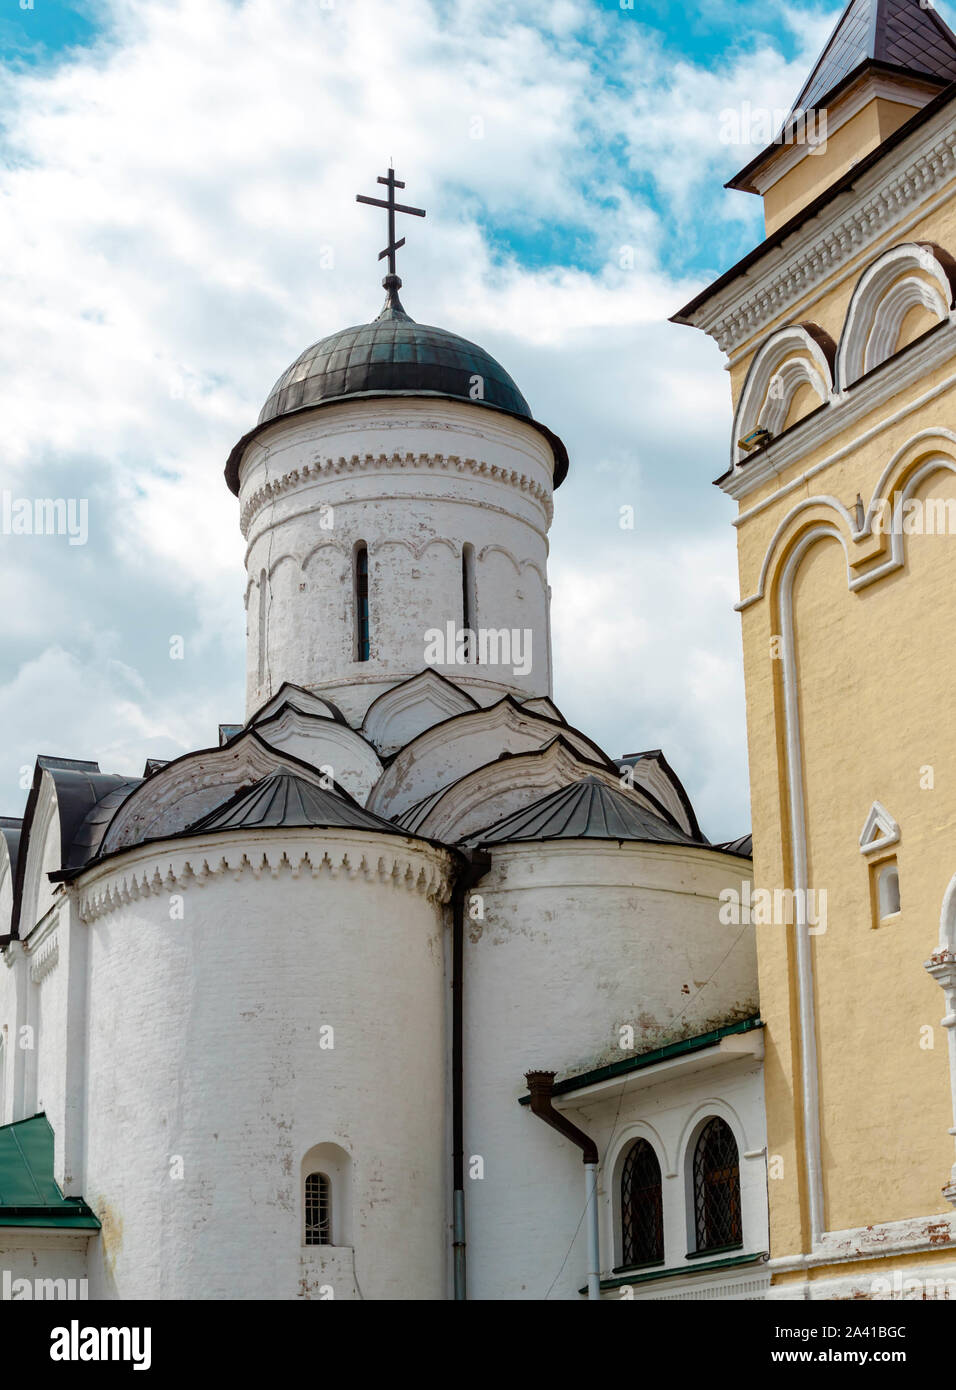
column 468, row 600
column 318, row 1210
column 362, row 630
column 263, row 620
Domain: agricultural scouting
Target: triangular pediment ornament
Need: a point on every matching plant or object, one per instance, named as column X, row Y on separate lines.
column 879, row 831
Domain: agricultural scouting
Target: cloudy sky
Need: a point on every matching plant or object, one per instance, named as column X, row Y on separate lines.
column 178, row 214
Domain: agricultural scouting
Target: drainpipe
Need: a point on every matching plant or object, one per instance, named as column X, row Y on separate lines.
column 477, row 863
column 541, row 1084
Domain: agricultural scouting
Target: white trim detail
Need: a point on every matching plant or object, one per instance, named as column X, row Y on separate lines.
column 893, row 525
column 807, row 436
column 882, row 298
column 942, row 967
column 885, row 1239
column 879, row 831
column 809, row 1080
column 775, row 375
column 889, row 197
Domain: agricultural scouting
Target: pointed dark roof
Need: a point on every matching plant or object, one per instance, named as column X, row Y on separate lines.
column 588, row 809
column 894, row 33
column 10, row 827
column 282, row 798
column 743, row 845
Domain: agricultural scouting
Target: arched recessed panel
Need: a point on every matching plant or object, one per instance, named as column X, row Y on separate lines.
column 914, row 275
column 790, row 376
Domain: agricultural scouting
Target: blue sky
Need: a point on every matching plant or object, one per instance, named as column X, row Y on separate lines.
column 170, row 173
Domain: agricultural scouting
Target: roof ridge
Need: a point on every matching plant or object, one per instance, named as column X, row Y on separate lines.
column 900, row 34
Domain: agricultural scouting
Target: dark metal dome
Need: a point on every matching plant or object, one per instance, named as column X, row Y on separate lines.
column 393, row 353
column 391, row 356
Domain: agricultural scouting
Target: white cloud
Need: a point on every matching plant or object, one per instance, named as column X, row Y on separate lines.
column 165, row 203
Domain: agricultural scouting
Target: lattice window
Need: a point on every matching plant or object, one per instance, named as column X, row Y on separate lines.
column 717, row 1187
column 318, row 1210
column 642, row 1216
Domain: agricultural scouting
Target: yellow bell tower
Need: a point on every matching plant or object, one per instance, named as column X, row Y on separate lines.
column 841, row 339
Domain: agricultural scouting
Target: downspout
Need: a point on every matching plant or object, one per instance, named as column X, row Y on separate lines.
column 541, row 1084
column 477, row 863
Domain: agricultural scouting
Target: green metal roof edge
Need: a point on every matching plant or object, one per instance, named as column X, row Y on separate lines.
column 42, row 1216
column 69, row 1213
column 650, row 1275
column 647, row 1059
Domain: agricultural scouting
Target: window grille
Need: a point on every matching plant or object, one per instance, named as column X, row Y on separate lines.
column 717, row 1187
column 642, row 1217
column 318, row 1210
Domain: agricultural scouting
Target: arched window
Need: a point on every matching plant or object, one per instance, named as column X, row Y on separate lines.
column 362, row 632
column 642, row 1215
column 468, row 598
column 888, row 891
column 717, row 1187
column 318, row 1209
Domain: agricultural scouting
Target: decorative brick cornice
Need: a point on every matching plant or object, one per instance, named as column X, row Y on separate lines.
column 166, row 874
column 45, row 959
column 732, row 320
column 322, row 468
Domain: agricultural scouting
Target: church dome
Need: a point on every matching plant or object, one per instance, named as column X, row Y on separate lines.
column 394, row 356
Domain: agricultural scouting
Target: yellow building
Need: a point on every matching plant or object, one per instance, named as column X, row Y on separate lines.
column 841, row 339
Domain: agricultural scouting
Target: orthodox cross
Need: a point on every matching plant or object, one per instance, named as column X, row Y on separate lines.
column 391, row 208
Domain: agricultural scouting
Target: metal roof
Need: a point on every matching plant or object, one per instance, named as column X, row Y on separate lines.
column 393, row 356
column 655, row 755
column 392, row 353
column 86, row 800
column 282, row 798
column 29, row 1195
column 10, row 828
column 900, row 33
column 641, row 1060
column 743, row 845
column 588, row 809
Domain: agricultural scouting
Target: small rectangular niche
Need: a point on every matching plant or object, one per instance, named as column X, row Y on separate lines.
column 884, row 891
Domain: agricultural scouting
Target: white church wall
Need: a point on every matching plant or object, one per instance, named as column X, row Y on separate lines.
column 579, row 939
column 8, row 1035
column 39, row 1256
column 413, row 481
column 207, row 1056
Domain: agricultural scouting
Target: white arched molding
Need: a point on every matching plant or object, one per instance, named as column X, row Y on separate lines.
column 700, row 1116
column 913, row 275
column 806, row 1008
column 942, row 966
column 898, row 482
column 801, row 354
column 614, row 1167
